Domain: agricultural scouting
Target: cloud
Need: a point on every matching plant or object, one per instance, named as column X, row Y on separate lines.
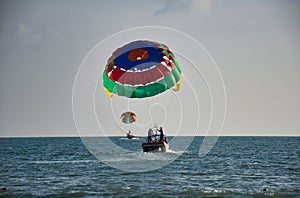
column 51, row 33
column 29, row 35
column 182, row 5
column 26, row 35
column 23, row 29
column 172, row 6
column 202, row 5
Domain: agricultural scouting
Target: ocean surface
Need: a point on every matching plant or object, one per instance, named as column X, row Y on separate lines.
column 235, row 167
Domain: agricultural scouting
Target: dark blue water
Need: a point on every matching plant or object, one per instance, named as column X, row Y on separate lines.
column 235, row 167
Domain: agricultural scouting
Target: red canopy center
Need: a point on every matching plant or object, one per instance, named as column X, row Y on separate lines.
column 138, row 54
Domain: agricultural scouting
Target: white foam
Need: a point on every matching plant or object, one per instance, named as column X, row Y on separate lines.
column 176, row 152
column 135, row 138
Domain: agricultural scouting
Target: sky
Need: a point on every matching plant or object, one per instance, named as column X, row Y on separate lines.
column 255, row 44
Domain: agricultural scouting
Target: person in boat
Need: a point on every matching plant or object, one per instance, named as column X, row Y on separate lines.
column 161, row 134
column 129, row 135
column 150, row 134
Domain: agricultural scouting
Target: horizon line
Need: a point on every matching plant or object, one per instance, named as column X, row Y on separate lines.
column 146, row 136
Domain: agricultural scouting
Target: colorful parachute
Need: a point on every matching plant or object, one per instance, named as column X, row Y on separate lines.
column 128, row 117
column 141, row 69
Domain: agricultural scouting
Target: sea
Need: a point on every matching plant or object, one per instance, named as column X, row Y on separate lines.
column 235, row 167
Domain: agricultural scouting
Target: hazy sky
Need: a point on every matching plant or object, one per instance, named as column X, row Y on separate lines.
column 256, row 45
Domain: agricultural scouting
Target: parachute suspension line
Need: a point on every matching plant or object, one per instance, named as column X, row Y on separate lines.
column 149, row 113
column 176, row 89
column 128, row 104
column 169, row 102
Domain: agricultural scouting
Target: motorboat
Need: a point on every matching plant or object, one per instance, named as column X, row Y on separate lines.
column 156, row 141
column 129, row 135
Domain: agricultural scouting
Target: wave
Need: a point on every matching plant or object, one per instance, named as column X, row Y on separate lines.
column 229, row 193
column 127, row 191
column 62, row 161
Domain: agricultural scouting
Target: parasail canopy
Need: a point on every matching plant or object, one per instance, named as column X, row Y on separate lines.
column 141, row 69
column 128, row 117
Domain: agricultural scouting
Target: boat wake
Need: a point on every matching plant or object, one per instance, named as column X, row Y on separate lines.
column 135, row 138
column 176, row 152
